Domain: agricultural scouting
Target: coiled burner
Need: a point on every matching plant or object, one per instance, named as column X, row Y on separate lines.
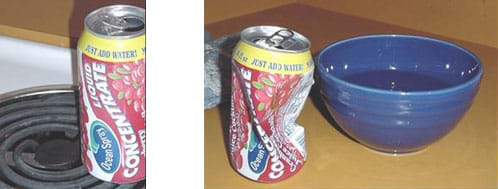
column 40, row 141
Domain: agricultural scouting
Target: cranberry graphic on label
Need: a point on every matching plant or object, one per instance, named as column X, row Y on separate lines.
column 129, row 80
column 273, row 90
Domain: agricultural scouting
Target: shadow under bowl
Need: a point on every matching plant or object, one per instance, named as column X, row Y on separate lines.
column 397, row 93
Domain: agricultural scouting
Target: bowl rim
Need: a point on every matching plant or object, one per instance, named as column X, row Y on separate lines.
column 457, row 87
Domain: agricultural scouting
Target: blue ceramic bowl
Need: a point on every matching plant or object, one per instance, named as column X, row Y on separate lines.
column 397, row 93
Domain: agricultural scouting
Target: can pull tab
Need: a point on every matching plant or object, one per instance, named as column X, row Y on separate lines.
column 123, row 24
column 282, row 39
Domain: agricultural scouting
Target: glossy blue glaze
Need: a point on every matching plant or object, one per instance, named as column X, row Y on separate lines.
column 357, row 79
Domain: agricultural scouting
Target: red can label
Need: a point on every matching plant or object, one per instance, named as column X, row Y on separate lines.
column 268, row 93
column 112, row 96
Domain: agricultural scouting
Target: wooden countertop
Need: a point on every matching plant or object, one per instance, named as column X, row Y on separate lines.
column 465, row 158
column 55, row 22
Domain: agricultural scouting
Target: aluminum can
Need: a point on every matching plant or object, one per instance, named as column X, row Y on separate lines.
column 111, row 59
column 272, row 74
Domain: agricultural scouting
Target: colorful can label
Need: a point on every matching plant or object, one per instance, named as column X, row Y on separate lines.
column 112, row 102
column 269, row 88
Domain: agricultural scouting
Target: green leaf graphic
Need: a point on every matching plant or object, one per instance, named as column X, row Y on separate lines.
column 261, row 106
column 129, row 102
column 266, row 81
column 114, row 76
column 258, row 85
column 122, row 71
column 120, row 95
column 136, row 85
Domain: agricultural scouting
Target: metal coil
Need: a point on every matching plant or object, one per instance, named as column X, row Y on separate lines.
column 44, row 118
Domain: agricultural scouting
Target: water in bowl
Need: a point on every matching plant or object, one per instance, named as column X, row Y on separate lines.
column 396, row 80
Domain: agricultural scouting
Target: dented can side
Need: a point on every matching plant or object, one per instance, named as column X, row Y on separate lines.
column 272, row 74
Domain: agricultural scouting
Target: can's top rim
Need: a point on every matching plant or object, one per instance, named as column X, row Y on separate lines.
column 134, row 11
column 252, row 34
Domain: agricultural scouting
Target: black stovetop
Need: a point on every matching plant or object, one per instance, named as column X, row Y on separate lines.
column 40, row 142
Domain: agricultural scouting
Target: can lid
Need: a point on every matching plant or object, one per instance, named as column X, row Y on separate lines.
column 116, row 21
column 275, row 38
